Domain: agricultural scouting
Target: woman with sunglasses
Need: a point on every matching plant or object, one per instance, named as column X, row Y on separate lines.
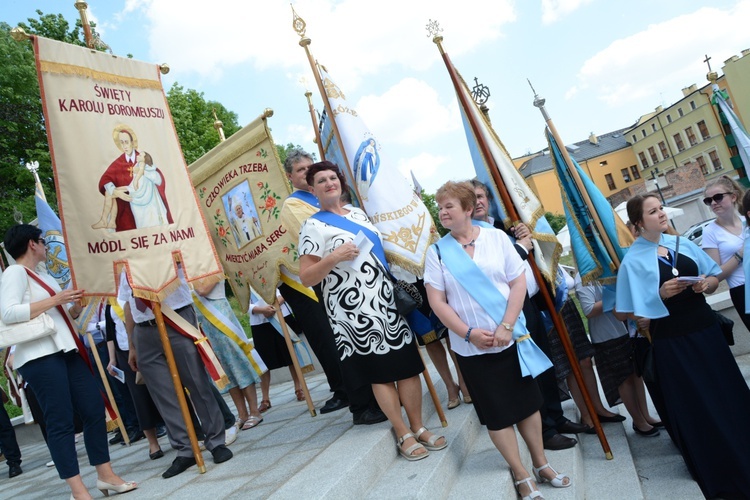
column 55, row 366
column 694, row 381
column 723, row 239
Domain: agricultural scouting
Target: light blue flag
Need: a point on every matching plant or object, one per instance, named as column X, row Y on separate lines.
column 332, row 152
column 592, row 258
column 57, row 255
column 741, row 138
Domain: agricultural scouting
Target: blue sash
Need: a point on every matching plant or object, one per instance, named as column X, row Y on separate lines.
column 533, row 361
column 307, row 197
column 418, row 322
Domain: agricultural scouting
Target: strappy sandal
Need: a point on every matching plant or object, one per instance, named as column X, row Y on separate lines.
column 430, row 442
column 558, row 481
column 408, row 453
column 251, row 422
column 265, row 405
column 453, row 403
column 534, row 492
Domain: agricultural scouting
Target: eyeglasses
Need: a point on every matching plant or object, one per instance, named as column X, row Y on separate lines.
column 717, row 198
column 42, row 241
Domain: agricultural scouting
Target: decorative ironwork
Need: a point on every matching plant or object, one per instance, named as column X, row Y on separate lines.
column 433, row 28
column 33, row 167
column 299, row 24
column 480, row 92
column 711, row 76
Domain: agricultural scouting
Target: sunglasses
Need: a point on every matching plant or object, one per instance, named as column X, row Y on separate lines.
column 717, row 198
column 42, row 241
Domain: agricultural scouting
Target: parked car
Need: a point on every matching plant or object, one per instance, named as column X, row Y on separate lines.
column 695, row 232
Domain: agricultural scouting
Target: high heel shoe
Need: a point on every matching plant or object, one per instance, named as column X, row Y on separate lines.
column 558, row 481
column 117, row 488
column 534, row 492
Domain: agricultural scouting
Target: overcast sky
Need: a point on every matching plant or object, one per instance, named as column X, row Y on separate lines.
column 600, row 64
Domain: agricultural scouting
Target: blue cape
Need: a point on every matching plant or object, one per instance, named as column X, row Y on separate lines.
column 638, row 277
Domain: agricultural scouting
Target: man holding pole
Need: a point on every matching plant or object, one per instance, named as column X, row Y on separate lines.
column 147, row 356
column 309, row 311
column 554, row 421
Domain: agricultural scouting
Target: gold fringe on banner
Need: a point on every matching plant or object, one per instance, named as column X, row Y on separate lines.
column 70, row 69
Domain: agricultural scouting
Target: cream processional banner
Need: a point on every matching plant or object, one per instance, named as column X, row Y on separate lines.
column 124, row 194
column 241, row 186
column 384, row 194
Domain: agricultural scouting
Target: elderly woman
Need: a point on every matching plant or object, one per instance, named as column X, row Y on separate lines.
column 58, row 375
column 703, row 396
column 374, row 341
column 476, row 286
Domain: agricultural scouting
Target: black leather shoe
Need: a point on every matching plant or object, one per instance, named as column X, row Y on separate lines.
column 559, row 442
column 590, row 430
column 650, row 433
column 117, row 438
column 14, row 470
column 612, row 419
column 156, row 455
column 334, row 404
column 572, row 427
column 134, row 436
column 221, row 454
column 180, row 465
column 369, row 417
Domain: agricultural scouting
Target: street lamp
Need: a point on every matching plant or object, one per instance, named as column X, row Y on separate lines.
column 654, row 174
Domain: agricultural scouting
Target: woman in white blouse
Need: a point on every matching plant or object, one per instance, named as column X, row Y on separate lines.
column 484, row 347
column 57, row 373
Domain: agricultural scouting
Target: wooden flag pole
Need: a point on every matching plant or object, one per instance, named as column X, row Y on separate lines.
column 513, row 215
column 311, row 108
column 169, row 355
column 107, row 388
column 433, row 392
column 295, row 363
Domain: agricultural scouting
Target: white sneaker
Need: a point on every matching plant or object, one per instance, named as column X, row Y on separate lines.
column 230, row 435
column 51, row 463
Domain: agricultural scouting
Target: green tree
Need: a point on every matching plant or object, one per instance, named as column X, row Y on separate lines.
column 284, row 151
column 557, row 222
column 431, row 204
column 194, row 121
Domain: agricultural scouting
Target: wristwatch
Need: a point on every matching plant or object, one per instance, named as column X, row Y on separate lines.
column 507, row 326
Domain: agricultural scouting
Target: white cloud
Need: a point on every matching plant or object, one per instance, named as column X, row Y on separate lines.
column 354, row 40
column 424, row 166
column 554, row 10
column 408, row 113
column 665, row 57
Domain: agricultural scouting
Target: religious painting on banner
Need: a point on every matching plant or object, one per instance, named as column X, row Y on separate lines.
column 385, row 195
column 125, row 196
column 241, row 186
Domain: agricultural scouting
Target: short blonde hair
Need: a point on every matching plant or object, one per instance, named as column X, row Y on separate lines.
column 462, row 191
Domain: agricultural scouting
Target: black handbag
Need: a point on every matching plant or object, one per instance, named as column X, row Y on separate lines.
column 727, row 325
column 407, row 296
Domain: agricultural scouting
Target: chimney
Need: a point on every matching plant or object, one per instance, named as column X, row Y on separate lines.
column 593, row 139
column 686, row 91
column 659, row 108
column 745, row 52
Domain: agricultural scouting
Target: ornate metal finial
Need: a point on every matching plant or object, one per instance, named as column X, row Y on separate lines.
column 538, row 101
column 480, row 92
column 33, row 167
column 433, row 29
column 17, row 216
column 219, row 126
column 100, row 45
column 711, row 76
column 18, row 34
column 298, row 24
column 164, row 68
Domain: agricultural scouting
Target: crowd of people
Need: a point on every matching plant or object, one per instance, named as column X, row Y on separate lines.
column 661, row 339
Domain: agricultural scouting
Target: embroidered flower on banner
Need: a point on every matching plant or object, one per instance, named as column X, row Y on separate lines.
column 270, row 206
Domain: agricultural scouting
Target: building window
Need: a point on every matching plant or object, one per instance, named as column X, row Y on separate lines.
column 692, row 104
column 653, row 127
column 715, row 161
column 678, row 142
column 643, row 132
column 610, row 182
column 691, row 136
column 625, row 174
column 679, row 110
column 702, row 164
column 603, row 163
column 652, row 153
column 703, row 130
column 663, row 150
column 669, row 118
column 635, row 172
column 635, row 139
column 644, row 161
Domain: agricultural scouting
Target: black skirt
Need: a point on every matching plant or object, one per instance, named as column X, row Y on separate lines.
column 614, row 364
column 502, row 397
column 271, row 346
